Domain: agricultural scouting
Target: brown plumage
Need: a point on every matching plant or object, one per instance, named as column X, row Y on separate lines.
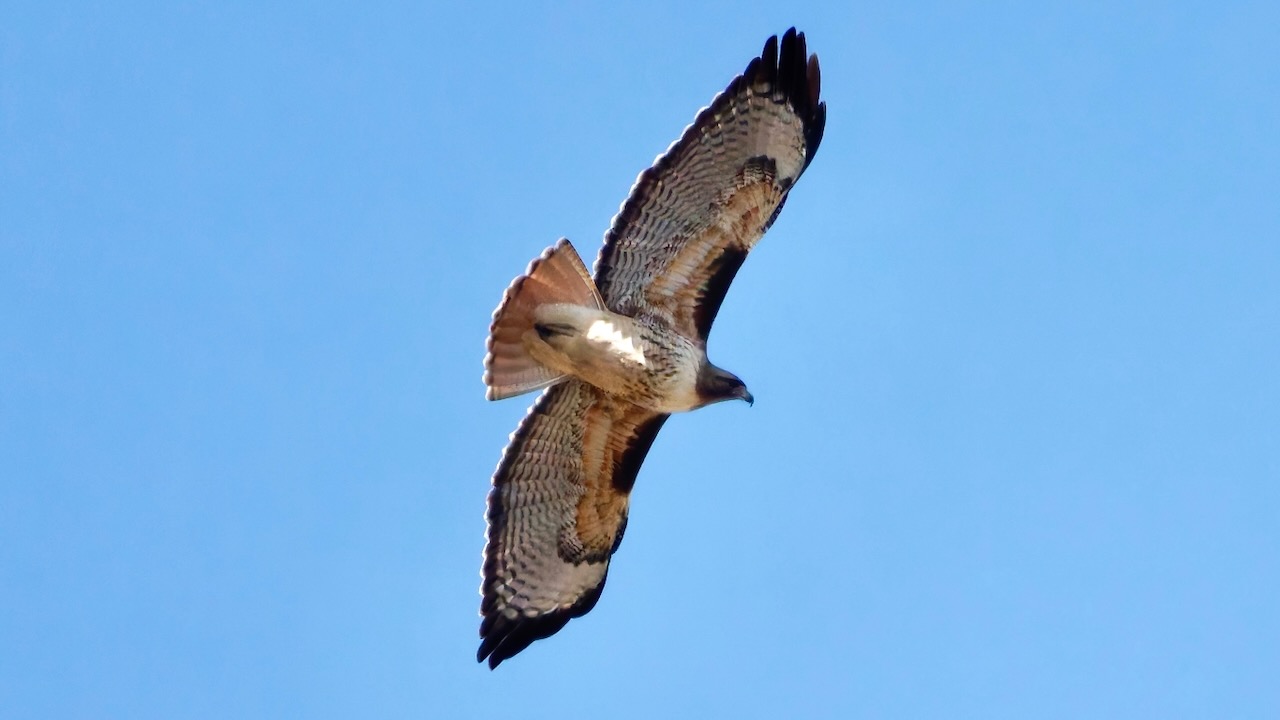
column 620, row 351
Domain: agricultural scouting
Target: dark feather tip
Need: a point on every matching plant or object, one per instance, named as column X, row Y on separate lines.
column 501, row 638
column 795, row 75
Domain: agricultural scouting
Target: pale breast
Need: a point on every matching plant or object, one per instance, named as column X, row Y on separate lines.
column 641, row 361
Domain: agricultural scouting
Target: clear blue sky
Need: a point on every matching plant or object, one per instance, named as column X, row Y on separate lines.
column 1014, row 342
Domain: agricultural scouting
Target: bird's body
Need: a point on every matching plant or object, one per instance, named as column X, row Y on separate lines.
column 640, row 360
column 619, row 351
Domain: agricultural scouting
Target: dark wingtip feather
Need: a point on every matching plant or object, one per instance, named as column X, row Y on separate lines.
column 795, row 74
column 501, row 638
column 768, row 57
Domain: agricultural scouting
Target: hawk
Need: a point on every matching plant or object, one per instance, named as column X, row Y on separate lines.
column 619, row 350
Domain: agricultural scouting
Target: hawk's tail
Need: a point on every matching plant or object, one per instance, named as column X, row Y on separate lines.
column 556, row 276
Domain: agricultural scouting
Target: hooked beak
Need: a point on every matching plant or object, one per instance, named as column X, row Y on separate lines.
column 743, row 394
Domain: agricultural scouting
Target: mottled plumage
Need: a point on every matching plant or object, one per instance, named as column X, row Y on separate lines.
column 619, row 351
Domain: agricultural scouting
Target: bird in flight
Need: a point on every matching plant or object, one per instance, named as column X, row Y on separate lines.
column 619, row 350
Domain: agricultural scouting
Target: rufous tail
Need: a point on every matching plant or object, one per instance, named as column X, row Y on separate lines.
column 556, row 276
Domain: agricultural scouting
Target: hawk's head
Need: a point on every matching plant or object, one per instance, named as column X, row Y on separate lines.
column 715, row 384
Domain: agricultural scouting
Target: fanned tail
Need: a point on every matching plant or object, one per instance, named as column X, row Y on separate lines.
column 558, row 275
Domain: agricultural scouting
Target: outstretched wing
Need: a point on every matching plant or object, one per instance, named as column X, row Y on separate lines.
column 557, row 512
column 691, row 219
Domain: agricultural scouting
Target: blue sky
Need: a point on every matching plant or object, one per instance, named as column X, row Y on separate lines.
column 1015, row 450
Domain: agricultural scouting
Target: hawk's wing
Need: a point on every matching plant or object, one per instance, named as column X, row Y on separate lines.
column 557, row 512
column 690, row 220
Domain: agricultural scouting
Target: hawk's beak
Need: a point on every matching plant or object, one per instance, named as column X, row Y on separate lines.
column 744, row 394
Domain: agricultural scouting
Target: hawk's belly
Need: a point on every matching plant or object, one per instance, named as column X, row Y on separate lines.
column 645, row 363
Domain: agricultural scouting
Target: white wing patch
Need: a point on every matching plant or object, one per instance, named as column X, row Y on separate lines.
column 619, row 342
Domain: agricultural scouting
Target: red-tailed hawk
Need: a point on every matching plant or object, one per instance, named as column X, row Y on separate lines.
column 618, row 353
